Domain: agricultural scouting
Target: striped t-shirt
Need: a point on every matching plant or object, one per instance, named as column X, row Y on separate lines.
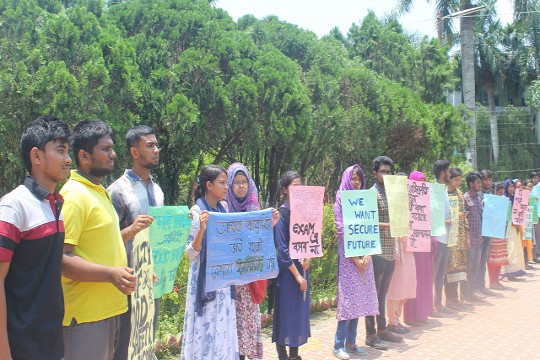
column 31, row 240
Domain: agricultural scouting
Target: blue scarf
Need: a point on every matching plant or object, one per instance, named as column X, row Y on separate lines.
column 201, row 296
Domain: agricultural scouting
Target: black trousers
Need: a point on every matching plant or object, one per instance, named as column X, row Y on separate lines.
column 383, row 270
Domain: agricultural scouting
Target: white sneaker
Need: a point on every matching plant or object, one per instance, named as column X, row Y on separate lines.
column 341, row 354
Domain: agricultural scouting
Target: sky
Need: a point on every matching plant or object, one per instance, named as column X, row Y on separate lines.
column 320, row 16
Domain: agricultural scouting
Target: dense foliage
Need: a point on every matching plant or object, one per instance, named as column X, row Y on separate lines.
column 263, row 92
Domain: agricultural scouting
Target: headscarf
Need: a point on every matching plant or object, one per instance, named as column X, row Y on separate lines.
column 251, row 201
column 506, row 184
column 346, row 184
column 417, row 175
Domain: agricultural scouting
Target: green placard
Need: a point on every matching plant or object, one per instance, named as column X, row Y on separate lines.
column 168, row 236
column 360, row 222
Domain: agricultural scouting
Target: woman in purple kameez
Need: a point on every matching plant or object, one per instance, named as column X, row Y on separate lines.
column 357, row 295
column 416, row 311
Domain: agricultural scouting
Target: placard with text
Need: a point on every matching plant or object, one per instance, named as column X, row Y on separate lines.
column 360, row 222
column 240, row 249
column 306, row 221
column 168, row 236
column 419, row 239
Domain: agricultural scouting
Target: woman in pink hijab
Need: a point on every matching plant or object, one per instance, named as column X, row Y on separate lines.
column 416, row 311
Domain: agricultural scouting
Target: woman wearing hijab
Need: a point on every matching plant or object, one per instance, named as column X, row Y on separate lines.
column 403, row 283
column 357, row 295
column 242, row 196
column 513, row 238
column 416, row 311
column 210, row 318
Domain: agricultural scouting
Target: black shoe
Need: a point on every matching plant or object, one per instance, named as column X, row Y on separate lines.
column 397, row 329
column 376, row 343
column 488, row 292
column 474, row 298
column 388, row 336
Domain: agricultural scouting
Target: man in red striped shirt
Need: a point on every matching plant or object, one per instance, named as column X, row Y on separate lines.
column 31, row 243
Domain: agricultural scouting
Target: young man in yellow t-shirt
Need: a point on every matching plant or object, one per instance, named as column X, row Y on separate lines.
column 95, row 278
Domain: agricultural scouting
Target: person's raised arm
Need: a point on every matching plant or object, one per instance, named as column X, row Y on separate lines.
column 141, row 222
column 5, row 352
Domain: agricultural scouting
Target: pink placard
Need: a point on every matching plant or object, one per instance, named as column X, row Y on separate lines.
column 520, row 207
column 419, row 217
column 306, row 221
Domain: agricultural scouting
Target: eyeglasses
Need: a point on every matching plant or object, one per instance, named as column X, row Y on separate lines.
column 241, row 184
column 385, row 172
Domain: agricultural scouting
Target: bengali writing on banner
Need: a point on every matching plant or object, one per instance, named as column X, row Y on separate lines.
column 240, row 249
column 453, row 235
column 398, row 204
column 168, row 236
column 306, row 221
column 520, row 207
column 436, row 203
column 360, row 222
column 419, row 239
column 495, row 216
column 533, row 202
column 528, row 229
column 141, row 343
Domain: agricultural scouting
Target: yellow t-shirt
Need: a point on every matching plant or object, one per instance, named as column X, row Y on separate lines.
column 91, row 225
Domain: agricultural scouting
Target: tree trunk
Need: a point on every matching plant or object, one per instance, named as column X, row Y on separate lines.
column 493, row 121
column 467, row 76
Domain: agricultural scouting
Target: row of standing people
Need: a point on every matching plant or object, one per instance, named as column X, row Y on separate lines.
column 85, row 231
column 66, row 262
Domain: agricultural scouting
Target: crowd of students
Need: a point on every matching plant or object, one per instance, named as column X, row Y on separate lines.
column 67, row 274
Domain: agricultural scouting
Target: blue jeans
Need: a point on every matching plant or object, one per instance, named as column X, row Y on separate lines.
column 483, row 262
column 346, row 329
column 439, row 271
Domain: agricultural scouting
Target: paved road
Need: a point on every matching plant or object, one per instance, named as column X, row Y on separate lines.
column 504, row 327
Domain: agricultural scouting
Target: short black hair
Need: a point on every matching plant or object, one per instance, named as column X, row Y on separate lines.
column 439, row 167
column 136, row 133
column 87, row 134
column 39, row 132
column 499, row 185
column 486, row 174
column 287, row 178
column 471, row 177
column 534, row 173
column 382, row 160
column 455, row 172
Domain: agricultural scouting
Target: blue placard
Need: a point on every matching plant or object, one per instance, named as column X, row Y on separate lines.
column 495, row 216
column 240, row 249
